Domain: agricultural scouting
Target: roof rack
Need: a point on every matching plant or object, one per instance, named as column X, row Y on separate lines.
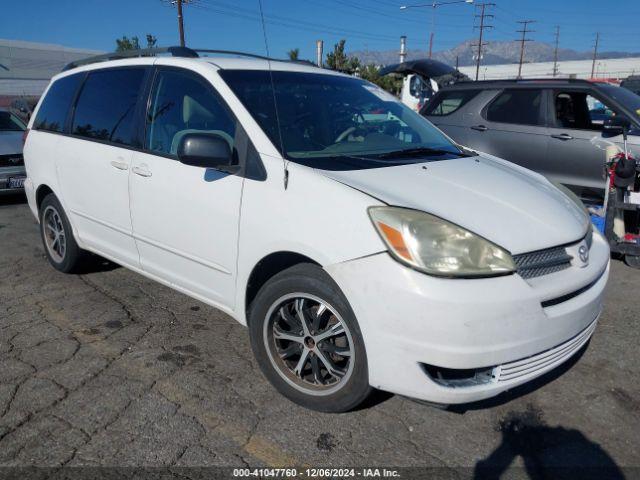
column 253, row 55
column 144, row 52
column 174, row 51
column 530, row 80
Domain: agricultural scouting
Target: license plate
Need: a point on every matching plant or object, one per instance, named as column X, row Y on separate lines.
column 16, row 182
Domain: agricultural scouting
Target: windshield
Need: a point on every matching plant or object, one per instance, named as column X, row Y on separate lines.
column 330, row 121
column 10, row 123
column 624, row 97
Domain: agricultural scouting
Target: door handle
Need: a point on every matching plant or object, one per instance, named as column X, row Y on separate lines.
column 120, row 165
column 562, row 136
column 142, row 170
column 480, row 128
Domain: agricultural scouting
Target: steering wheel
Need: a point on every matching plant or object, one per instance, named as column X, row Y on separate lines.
column 350, row 130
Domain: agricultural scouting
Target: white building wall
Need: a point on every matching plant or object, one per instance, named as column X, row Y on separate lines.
column 27, row 67
column 607, row 68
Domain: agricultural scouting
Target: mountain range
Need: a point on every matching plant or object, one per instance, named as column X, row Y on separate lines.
column 494, row 53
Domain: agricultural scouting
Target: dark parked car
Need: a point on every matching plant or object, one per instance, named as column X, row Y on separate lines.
column 554, row 127
column 12, row 172
column 632, row 83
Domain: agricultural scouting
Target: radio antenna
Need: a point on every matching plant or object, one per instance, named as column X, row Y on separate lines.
column 275, row 101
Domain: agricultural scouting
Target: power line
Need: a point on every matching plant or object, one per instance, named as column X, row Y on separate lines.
column 290, row 22
column 523, row 40
column 482, row 27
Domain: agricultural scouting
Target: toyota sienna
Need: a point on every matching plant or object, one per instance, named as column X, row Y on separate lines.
column 361, row 246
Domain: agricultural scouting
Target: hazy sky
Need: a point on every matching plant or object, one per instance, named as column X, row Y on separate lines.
column 366, row 24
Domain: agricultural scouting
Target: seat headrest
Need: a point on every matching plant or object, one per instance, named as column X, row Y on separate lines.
column 191, row 110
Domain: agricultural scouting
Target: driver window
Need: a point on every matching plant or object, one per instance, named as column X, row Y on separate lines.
column 580, row 111
column 182, row 103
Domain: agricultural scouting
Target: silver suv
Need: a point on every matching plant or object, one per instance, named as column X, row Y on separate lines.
column 12, row 173
column 554, row 127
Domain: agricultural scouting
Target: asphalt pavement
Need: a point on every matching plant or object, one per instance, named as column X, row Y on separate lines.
column 108, row 368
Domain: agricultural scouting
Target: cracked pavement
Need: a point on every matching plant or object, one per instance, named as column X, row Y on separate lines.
column 108, row 368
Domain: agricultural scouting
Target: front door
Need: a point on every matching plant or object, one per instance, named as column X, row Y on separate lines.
column 94, row 161
column 185, row 218
column 577, row 143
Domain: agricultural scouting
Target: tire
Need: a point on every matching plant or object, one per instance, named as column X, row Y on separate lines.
column 632, row 260
column 64, row 254
column 334, row 376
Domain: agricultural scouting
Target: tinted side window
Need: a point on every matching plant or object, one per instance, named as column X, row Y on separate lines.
column 55, row 106
column 106, row 105
column 182, row 103
column 448, row 102
column 9, row 122
column 517, row 106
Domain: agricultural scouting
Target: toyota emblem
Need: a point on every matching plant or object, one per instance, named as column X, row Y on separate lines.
column 583, row 253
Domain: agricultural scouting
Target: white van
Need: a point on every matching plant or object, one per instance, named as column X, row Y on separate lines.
column 422, row 79
column 359, row 244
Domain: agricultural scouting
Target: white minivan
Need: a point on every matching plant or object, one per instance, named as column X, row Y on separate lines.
column 360, row 245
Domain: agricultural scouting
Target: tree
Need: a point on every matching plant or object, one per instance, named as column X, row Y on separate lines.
column 294, row 54
column 338, row 60
column 151, row 41
column 125, row 43
column 391, row 83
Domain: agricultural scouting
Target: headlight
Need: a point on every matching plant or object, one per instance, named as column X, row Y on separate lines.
column 437, row 247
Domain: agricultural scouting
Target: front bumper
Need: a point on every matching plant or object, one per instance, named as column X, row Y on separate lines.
column 8, row 172
column 409, row 320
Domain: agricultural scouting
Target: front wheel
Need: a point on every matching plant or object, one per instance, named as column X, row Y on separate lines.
column 307, row 340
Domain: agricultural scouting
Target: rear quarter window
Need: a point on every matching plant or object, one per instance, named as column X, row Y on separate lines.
column 106, row 105
column 445, row 103
column 55, row 106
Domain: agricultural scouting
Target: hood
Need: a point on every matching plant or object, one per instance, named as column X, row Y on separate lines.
column 10, row 142
column 510, row 206
column 425, row 67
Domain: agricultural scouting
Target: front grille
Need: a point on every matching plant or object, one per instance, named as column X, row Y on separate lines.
column 13, row 160
column 553, row 356
column 542, row 262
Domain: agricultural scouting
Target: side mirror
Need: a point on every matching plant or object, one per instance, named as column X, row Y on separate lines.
column 206, row 150
column 616, row 125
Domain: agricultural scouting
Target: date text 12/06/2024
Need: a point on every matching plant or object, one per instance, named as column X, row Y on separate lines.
column 316, row 472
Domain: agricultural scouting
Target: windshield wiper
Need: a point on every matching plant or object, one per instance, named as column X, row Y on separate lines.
column 419, row 152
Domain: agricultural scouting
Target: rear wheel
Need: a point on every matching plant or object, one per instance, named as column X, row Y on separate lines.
column 57, row 237
column 632, row 260
column 308, row 342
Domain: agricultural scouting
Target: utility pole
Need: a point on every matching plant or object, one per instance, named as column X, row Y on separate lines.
column 524, row 31
column 555, row 52
column 403, row 48
column 482, row 27
column 319, row 48
column 179, row 4
column 595, row 55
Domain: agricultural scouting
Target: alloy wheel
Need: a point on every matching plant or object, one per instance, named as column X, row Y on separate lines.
column 309, row 344
column 54, row 235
